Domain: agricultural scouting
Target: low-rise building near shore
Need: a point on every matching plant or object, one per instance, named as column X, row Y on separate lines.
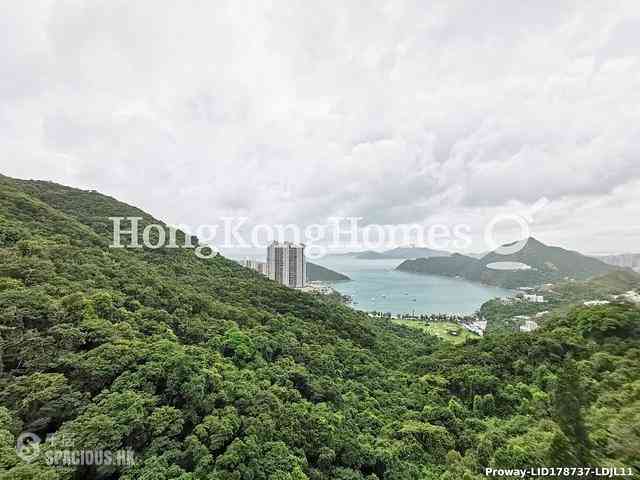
column 478, row 327
column 529, row 326
column 595, row 303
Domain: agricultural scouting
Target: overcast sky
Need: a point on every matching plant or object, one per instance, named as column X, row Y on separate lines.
column 396, row 111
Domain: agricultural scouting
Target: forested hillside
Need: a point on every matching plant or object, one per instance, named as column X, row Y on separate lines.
column 207, row 370
column 318, row 273
column 544, row 264
column 452, row 266
column 558, row 298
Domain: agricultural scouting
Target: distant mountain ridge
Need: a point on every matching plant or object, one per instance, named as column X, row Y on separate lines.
column 397, row 253
column 369, row 255
column 547, row 264
column 415, row 252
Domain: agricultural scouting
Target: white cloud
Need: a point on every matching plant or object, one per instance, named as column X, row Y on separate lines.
column 286, row 112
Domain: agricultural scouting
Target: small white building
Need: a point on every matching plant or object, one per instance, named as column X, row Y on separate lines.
column 260, row 267
column 595, row 303
column 630, row 296
column 533, row 298
column 318, row 287
column 528, row 326
column 478, row 327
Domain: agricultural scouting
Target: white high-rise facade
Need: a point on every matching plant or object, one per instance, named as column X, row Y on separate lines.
column 286, row 264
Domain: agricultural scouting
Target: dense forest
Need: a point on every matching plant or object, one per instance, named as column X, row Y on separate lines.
column 207, row 370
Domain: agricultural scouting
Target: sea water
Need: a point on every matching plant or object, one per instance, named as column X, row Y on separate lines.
column 376, row 286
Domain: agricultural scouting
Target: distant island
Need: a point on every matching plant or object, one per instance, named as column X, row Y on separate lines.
column 535, row 264
column 318, row 273
column 369, row 255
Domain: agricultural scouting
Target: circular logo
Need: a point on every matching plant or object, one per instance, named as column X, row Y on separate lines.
column 511, row 248
column 28, row 446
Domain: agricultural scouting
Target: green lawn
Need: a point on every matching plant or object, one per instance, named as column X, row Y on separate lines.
column 439, row 329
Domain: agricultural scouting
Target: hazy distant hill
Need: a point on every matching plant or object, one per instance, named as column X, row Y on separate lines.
column 545, row 264
column 626, row 260
column 369, row 255
column 414, row 252
column 319, row 273
column 615, row 282
column 397, row 253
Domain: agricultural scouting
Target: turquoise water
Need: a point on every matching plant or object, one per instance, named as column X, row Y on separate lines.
column 375, row 285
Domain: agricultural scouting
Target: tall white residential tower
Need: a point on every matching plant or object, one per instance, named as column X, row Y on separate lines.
column 286, row 264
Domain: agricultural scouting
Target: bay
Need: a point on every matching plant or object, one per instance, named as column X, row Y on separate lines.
column 376, row 286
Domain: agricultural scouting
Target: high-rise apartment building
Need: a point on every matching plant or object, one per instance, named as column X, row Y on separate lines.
column 286, row 264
